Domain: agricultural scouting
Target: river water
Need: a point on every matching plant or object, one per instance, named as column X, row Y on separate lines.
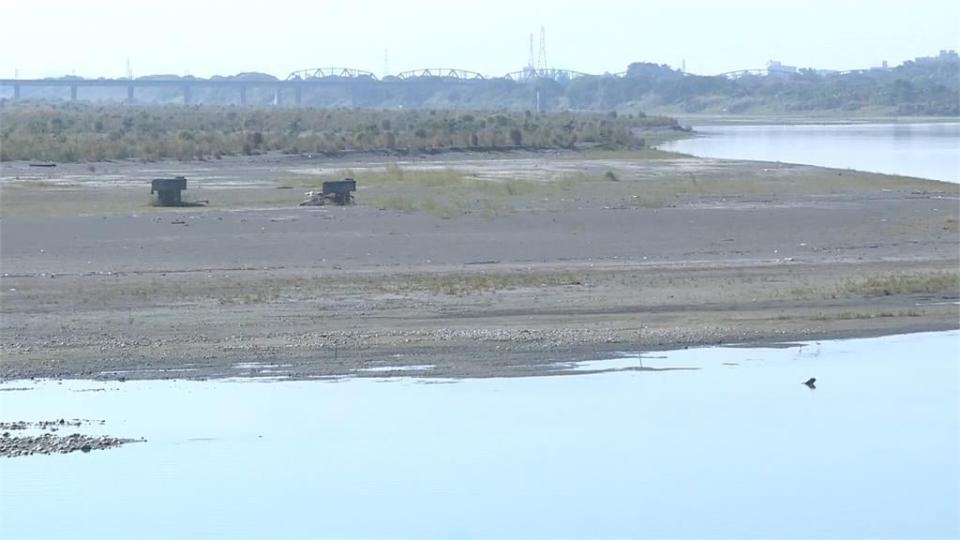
column 733, row 447
column 923, row 150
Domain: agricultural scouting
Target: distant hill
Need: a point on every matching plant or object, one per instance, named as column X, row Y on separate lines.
column 924, row 86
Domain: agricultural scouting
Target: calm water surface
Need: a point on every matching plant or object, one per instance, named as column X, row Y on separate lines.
column 735, row 448
column 922, row 150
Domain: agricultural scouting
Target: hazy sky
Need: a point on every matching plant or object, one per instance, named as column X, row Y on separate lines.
column 95, row 37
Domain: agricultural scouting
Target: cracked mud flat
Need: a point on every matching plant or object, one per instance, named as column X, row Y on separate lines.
column 96, row 284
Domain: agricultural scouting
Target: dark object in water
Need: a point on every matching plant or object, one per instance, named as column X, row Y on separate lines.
column 811, row 383
column 43, row 164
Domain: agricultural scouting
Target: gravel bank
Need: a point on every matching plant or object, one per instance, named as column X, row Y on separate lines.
column 16, row 441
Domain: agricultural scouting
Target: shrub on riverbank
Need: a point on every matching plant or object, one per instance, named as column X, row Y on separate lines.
column 82, row 132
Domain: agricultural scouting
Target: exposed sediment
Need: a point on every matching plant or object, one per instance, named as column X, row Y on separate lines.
column 16, row 442
column 677, row 252
column 49, row 443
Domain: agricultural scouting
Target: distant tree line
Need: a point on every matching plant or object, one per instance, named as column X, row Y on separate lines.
column 913, row 88
column 93, row 132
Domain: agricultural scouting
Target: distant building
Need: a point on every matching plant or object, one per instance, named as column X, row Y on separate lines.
column 944, row 57
column 774, row 67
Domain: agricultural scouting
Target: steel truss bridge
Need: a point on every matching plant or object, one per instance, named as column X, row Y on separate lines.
column 764, row 72
column 307, row 78
column 527, row 75
column 441, row 73
column 330, row 73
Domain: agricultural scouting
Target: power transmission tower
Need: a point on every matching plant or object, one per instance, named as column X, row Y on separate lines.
column 129, row 70
column 542, row 59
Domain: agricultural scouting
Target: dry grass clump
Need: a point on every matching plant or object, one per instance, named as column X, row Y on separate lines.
column 947, row 283
column 861, row 315
column 461, row 284
column 441, row 192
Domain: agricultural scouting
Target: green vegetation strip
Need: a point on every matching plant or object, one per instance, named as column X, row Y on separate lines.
column 82, row 132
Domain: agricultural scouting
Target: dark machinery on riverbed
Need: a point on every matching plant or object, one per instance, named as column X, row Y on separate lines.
column 336, row 191
column 168, row 190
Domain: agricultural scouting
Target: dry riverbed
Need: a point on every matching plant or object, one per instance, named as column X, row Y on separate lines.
column 457, row 266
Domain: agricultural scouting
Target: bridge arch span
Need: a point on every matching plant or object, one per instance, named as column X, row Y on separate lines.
column 441, row 73
column 330, row 72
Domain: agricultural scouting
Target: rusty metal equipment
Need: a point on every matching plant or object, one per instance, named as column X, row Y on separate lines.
column 336, row 191
column 168, row 190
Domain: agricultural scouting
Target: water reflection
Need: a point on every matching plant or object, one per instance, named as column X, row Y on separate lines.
column 718, row 451
column 922, row 150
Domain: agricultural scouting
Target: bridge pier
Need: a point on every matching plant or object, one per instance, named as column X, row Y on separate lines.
column 243, row 95
column 186, row 94
column 73, row 92
column 16, row 91
column 276, row 96
column 130, row 94
column 298, row 96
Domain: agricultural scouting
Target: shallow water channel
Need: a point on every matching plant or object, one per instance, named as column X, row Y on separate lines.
column 736, row 447
column 922, row 150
